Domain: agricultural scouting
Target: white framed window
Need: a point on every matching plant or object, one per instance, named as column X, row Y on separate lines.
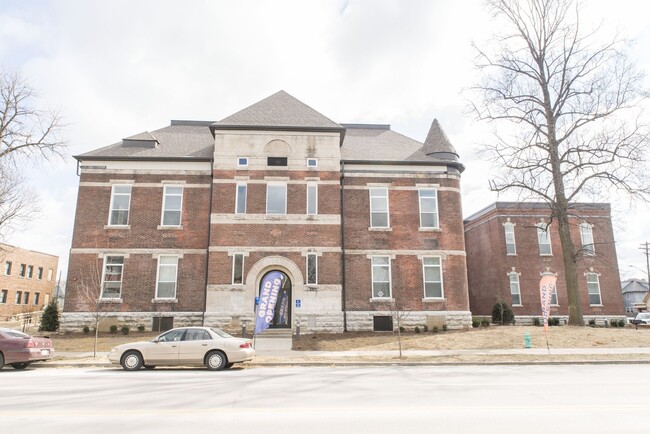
column 242, row 162
column 238, row 269
column 22, row 270
column 312, row 198
column 381, row 282
column 240, row 198
column 120, row 205
column 511, row 246
column 593, row 289
column 112, row 277
column 19, row 296
column 312, row 162
column 30, row 271
column 37, row 296
column 276, row 198
column 8, row 268
column 544, row 239
column 49, row 274
column 40, row 273
column 587, row 238
column 428, row 198
column 515, row 290
column 554, row 301
column 3, row 296
column 379, row 207
column 312, row 269
column 172, row 205
column 26, row 297
column 167, row 277
column 432, row 274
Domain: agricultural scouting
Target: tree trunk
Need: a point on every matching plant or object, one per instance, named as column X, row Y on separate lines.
column 96, row 336
column 570, row 269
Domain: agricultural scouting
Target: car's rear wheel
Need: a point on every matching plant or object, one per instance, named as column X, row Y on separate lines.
column 216, row 361
column 22, row 365
column 131, row 361
column 2, row 360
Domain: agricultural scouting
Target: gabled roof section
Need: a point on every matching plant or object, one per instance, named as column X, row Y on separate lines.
column 279, row 111
column 437, row 143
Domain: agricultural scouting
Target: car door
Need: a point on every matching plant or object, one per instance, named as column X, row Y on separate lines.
column 164, row 350
column 195, row 343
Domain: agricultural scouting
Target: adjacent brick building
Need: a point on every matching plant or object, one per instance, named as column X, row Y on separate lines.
column 180, row 225
column 27, row 281
column 510, row 244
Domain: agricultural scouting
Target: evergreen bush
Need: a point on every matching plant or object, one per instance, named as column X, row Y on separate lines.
column 50, row 318
column 113, row 329
column 501, row 313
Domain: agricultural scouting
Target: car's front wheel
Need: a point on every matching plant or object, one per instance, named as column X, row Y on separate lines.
column 131, row 361
column 22, row 365
column 2, row 360
column 216, row 361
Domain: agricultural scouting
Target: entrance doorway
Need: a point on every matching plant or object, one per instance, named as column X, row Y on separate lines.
column 282, row 315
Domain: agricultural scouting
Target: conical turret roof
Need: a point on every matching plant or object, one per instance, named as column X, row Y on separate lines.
column 437, row 143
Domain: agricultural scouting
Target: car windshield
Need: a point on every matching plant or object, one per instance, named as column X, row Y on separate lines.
column 221, row 333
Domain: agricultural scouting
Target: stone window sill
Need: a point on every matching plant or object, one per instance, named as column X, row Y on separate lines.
column 172, row 228
column 111, row 300
column 421, row 229
column 164, row 300
column 596, row 305
column 118, row 227
column 382, row 300
column 434, row 299
column 517, row 305
column 380, row 229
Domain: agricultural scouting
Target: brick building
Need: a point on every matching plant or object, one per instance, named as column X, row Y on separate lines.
column 27, row 281
column 510, row 244
column 181, row 224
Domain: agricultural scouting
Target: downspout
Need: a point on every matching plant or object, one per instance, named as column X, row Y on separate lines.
column 207, row 249
column 345, row 318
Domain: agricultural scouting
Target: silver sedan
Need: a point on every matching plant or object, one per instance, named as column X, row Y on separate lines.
column 183, row 346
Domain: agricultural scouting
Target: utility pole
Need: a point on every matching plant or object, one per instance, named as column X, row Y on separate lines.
column 645, row 247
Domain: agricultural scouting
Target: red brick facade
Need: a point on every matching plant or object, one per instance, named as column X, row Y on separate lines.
column 489, row 264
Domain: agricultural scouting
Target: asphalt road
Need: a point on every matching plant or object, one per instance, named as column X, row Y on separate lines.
column 446, row 399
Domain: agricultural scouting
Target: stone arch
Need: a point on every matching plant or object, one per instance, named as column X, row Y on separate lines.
column 277, row 148
column 264, row 265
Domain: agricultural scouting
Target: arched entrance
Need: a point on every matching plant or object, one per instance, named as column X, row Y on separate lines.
column 282, row 315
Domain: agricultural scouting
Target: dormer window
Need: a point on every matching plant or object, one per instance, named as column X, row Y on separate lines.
column 242, row 162
column 276, row 161
column 312, row 163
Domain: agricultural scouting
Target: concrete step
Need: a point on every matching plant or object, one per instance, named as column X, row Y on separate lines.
column 274, row 340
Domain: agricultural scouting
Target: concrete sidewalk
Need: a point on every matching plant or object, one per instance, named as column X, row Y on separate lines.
column 391, row 357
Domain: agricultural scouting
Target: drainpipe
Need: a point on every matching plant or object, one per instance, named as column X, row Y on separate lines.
column 345, row 318
column 207, row 249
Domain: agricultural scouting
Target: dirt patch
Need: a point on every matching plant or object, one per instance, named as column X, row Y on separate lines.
column 494, row 337
column 77, row 342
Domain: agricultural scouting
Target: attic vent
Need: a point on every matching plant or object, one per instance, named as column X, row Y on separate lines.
column 142, row 140
column 276, row 161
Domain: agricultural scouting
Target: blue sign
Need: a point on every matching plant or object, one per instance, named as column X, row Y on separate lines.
column 297, row 303
column 257, row 301
column 270, row 288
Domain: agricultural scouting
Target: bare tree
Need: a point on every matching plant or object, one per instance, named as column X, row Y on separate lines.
column 88, row 290
column 399, row 313
column 27, row 134
column 566, row 110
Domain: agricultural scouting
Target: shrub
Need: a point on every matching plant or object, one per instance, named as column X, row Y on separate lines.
column 476, row 322
column 435, row 329
column 86, row 330
column 444, row 327
column 125, row 330
column 141, row 328
column 536, row 322
column 425, row 328
column 622, row 322
column 552, row 321
column 50, row 318
column 613, row 323
column 402, row 329
column 485, row 322
column 592, row 322
column 417, row 329
column 113, row 329
column 501, row 313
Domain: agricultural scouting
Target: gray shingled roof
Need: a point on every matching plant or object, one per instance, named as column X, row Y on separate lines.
column 279, row 110
column 438, row 143
column 379, row 144
column 175, row 141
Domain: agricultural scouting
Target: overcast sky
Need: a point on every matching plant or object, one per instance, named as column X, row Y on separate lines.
column 122, row 67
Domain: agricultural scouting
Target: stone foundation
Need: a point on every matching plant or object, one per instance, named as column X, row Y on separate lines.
column 564, row 319
column 454, row 320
